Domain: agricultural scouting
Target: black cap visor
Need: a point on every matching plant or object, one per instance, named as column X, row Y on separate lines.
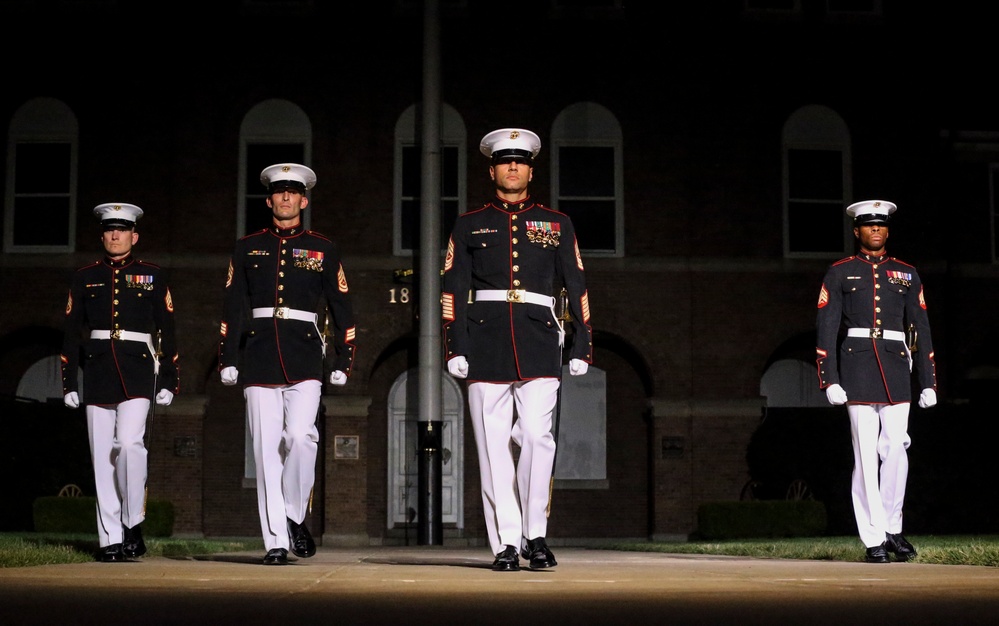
column 117, row 224
column 512, row 155
column 870, row 218
column 277, row 186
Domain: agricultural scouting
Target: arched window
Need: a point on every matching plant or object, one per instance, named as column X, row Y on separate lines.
column 40, row 200
column 408, row 177
column 815, row 144
column 274, row 131
column 587, row 176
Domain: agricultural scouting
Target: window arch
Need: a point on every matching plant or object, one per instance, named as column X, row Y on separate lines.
column 408, row 176
column 817, row 183
column 273, row 131
column 587, row 176
column 42, row 148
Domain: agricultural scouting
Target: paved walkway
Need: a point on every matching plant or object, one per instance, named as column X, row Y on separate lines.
column 434, row 585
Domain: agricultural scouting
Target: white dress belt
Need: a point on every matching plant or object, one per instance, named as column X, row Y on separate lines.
column 522, row 296
column 285, row 313
column 876, row 333
column 125, row 335
column 513, row 295
column 128, row 335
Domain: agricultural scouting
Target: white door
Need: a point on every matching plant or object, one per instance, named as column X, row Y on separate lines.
column 403, row 460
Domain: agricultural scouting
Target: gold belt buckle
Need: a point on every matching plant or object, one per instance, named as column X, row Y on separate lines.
column 116, row 333
column 281, row 311
column 875, row 333
column 515, row 295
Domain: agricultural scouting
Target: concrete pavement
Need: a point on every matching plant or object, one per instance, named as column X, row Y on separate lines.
column 435, row 585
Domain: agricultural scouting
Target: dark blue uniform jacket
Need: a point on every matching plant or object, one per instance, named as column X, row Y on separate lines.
column 877, row 293
column 507, row 246
column 293, row 268
column 127, row 295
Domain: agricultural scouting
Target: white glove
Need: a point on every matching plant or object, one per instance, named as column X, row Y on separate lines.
column 835, row 394
column 578, row 367
column 458, row 367
column 338, row 378
column 927, row 398
column 229, row 375
column 164, row 397
column 72, row 400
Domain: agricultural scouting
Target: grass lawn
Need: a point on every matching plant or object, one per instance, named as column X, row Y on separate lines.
column 28, row 549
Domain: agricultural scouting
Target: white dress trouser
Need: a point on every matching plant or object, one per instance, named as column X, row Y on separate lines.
column 120, row 466
column 282, row 423
column 880, row 468
column 514, row 499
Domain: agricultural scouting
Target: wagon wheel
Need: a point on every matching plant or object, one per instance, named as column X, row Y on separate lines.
column 798, row 490
column 70, row 491
column 749, row 490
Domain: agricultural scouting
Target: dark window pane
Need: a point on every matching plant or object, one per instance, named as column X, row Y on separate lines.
column 410, row 223
column 586, row 171
column 261, row 155
column 594, row 221
column 258, row 214
column 815, row 174
column 410, row 236
column 814, row 227
column 449, row 171
column 411, row 171
column 41, row 221
column 42, row 168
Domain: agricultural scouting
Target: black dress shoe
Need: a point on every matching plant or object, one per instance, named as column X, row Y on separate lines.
column 111, row 554
column 507, row 560
column 537, row 552
column 133, row 546
column 301, row 541
column 898, row 545
column 877, row 554
column 277, row 556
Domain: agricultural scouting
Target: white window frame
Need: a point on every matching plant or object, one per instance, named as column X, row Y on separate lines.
column 589, row 125
column 274, row 121
column 816, row 127
column 41, row 120
column 407, row 135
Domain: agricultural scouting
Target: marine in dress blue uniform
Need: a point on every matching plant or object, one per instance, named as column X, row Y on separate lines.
column 873, row 333
column 283, row 282
column 119, row 318
column 504, row 260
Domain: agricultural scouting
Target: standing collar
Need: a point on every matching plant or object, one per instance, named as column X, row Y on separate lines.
column 119, row 263
column 520, row 205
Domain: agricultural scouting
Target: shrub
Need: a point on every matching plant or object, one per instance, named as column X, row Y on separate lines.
column 55, row 514
column 761, row 518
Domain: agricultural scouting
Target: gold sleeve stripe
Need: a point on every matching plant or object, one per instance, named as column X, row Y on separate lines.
column 69, row 303
column 449, row 259
column 228, row 278
column 821, row 353
column 169, row 301
column 224, row 329
column 585, row 303
column 341, row 280
column 447, row 306
column 351, row 332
